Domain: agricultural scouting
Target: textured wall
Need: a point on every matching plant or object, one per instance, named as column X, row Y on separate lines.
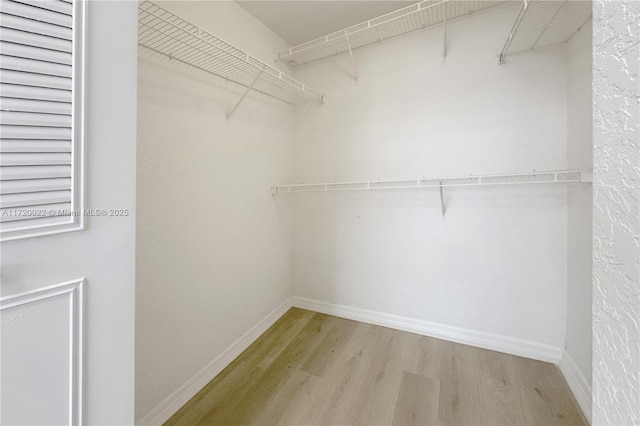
column 616, row 262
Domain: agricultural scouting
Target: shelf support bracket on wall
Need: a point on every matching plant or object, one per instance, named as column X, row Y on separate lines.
column 442, row 205
column 514, row 28
column 353, row 61
column 444, row 44
column 244, row 95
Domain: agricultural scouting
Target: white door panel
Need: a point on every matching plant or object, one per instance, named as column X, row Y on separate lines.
column 41, row 356
column 63, row 361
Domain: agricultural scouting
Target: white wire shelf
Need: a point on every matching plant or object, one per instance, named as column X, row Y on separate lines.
column 407, row 19
column 164, row 33
column 552, row 177
column 541, row 23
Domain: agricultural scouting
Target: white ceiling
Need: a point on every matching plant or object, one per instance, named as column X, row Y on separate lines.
column 298, row 21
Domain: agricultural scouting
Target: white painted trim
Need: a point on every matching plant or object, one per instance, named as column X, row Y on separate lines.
column 172, row 403
column 495, row 342
column 577, row 382
column 74, row 290
column 79, row 111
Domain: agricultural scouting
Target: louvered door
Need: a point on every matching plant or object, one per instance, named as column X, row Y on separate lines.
column 41, row 122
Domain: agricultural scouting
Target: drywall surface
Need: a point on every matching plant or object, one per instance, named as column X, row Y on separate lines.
column 616, row 213
column 576, row 365
column 104, row 252
column 579, row 243
column 213, row 254
column 497, row 261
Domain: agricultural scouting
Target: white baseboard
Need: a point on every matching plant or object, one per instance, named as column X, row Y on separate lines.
column 577, row 383
column 495, row 342
column 172, row 403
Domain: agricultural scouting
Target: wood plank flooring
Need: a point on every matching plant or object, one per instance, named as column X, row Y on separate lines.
column 315, row 369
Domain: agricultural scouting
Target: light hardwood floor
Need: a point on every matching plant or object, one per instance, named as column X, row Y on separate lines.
column 315, row 369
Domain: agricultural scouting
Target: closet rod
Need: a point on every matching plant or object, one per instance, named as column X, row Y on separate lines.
column 553, row 177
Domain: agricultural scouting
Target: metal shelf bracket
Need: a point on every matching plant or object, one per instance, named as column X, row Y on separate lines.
column 444, row 35
column 541, row 23
column 353, row 61
column 442, row 204
column 244, row 95
column 514, row 28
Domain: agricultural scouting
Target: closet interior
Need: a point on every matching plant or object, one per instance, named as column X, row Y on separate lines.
column 427, row 170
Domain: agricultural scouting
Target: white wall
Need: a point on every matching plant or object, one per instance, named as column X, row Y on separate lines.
column 616, row 213
column 104, row 252
column 580, row 153
column 212, row 246
column 497, row 262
